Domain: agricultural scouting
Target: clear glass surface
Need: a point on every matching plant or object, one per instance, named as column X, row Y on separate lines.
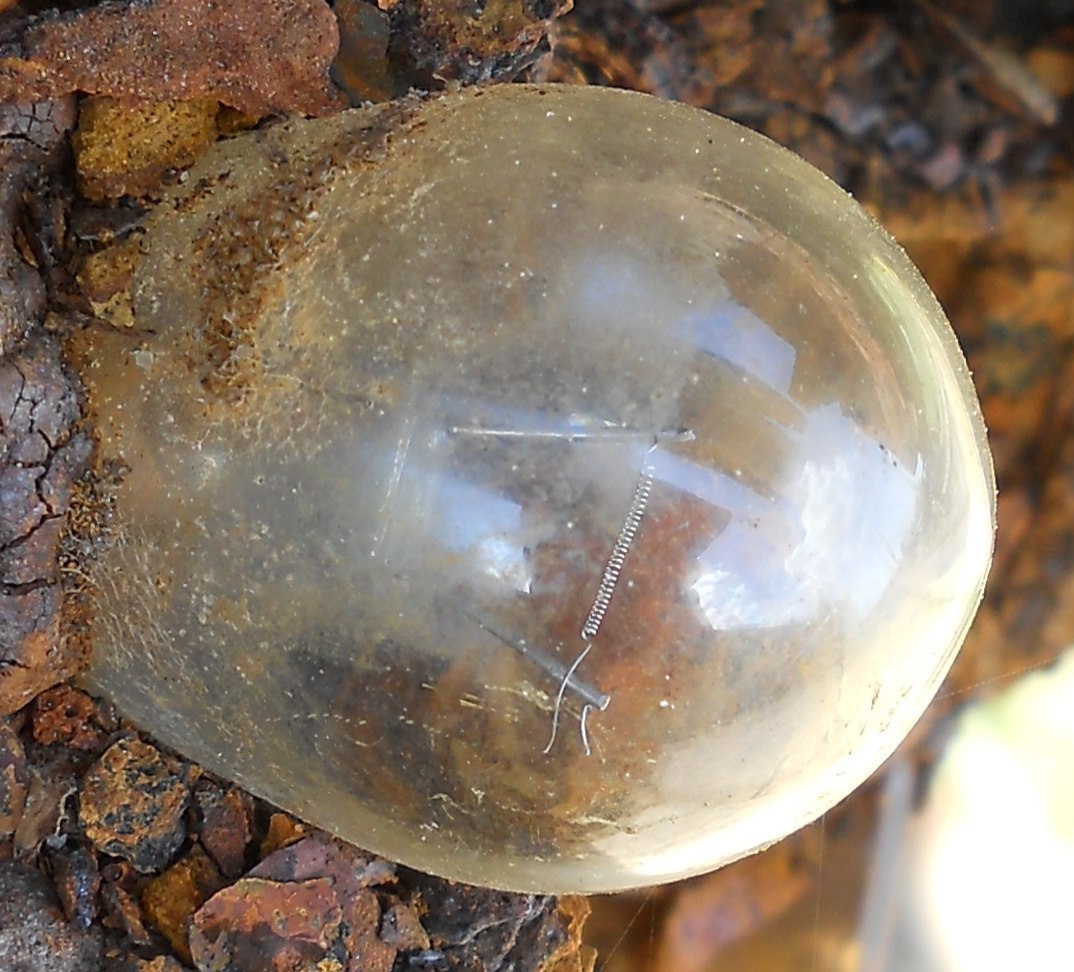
column 557, row 490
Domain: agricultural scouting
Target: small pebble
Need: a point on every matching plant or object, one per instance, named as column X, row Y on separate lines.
column 169, row 900
column 225, row 827
column 132, row 806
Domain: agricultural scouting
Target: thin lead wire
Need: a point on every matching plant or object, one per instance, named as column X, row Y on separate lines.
column 559, row 696
column 606, row 433
column 586, row 709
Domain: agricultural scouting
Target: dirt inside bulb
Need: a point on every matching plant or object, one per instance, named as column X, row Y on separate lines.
column 554, row 489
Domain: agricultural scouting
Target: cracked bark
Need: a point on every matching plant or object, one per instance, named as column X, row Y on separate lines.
column 42, row 452
column 42, row 455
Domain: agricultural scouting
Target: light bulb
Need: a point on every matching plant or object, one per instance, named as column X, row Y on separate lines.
column 549, row 488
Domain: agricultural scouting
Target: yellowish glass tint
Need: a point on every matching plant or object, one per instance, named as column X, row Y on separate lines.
column 553, row 489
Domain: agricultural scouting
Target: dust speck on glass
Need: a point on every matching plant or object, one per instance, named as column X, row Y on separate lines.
column 421, row 471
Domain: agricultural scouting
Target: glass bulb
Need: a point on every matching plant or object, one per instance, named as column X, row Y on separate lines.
column 555, row 489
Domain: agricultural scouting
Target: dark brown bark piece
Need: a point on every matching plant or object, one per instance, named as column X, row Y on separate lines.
column 470, row 41
column 259, row 56
column 305, row 904
column 42, row 456
column 350, row 868
column 51, row 787
column 269, row 925
column 29, row 134
column 67, row 716
column 78, row 881
column 226, row 827
column 475, row 929
column 361, row 68
column 122, row 911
